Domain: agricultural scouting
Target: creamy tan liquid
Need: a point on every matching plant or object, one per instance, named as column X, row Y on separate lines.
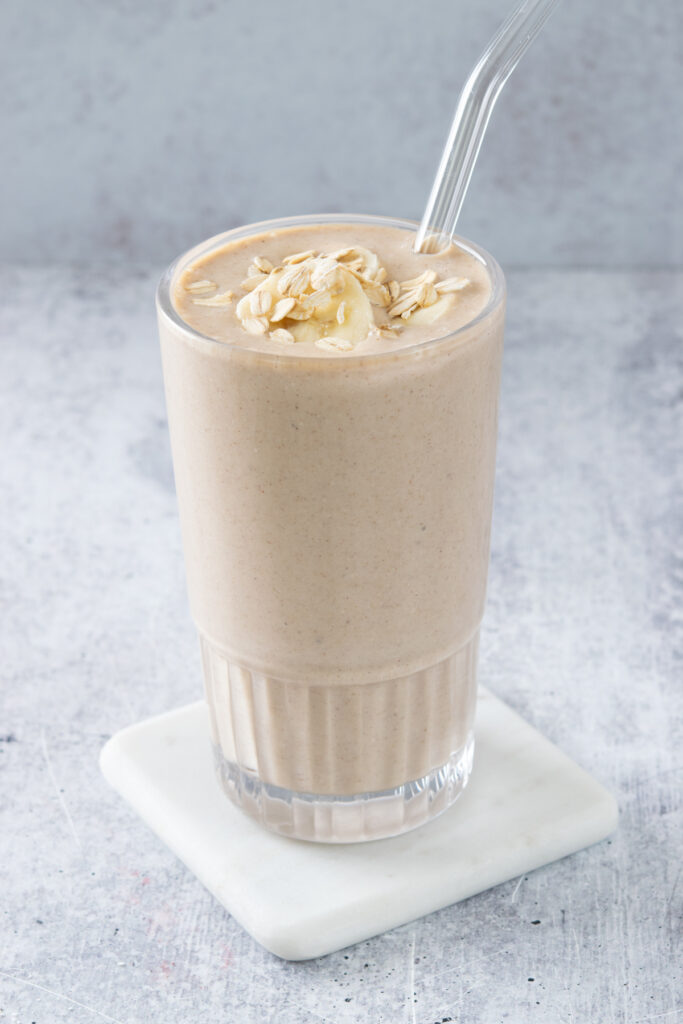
column 336, row 517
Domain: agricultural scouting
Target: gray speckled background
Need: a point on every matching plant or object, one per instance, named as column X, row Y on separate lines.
column 132, row 130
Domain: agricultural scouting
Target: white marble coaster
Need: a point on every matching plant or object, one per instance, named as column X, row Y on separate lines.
column 527, row 804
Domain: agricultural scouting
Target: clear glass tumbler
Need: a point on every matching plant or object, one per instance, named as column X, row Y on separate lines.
column 336, row 516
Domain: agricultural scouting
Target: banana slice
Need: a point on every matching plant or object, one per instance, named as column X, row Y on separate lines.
column 342, row 311
column 353, row 324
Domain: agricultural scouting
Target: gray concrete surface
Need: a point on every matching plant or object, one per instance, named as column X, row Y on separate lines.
column 583, row 635
column 133, row 130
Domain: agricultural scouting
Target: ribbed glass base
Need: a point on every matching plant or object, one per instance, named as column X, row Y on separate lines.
column 347, row 819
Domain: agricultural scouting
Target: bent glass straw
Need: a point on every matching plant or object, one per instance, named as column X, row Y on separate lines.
column 472, row 114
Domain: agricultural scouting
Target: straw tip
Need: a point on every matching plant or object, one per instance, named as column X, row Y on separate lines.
column 431, row 242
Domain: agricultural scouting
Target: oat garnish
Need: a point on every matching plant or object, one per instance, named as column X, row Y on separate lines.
column 334, row 344
column 255, row 324
column 294, row 280
column 283, row 335
column 304, row 285
column 427, row 277
column 325, row 272
column 204, row 287
column 260, row 302
column 282, row 308
column 224, row 299
column 341, row 254
column 426, row 295
column 451, row 284
column 299, row 257
column 386, row 331
column 318, row 298
column 243, row 308
column 405, row 303
column 300, row 311
column 378, row 294
column 262, row 264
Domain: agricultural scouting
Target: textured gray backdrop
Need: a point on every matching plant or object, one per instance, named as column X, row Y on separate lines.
column 132, row 130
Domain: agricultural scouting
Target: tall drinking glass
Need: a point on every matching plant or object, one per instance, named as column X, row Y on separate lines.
column 336, row 516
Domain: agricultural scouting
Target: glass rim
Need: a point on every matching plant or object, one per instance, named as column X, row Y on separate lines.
column 165, row 303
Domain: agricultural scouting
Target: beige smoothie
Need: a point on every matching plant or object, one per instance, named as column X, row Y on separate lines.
column 332, row 401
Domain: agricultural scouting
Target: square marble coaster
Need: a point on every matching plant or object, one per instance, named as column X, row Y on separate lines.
column 527, row 804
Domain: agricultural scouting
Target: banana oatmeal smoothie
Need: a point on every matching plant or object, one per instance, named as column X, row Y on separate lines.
column 332, row 399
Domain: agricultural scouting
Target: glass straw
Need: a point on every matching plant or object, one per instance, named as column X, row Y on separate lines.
column 472, row 114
